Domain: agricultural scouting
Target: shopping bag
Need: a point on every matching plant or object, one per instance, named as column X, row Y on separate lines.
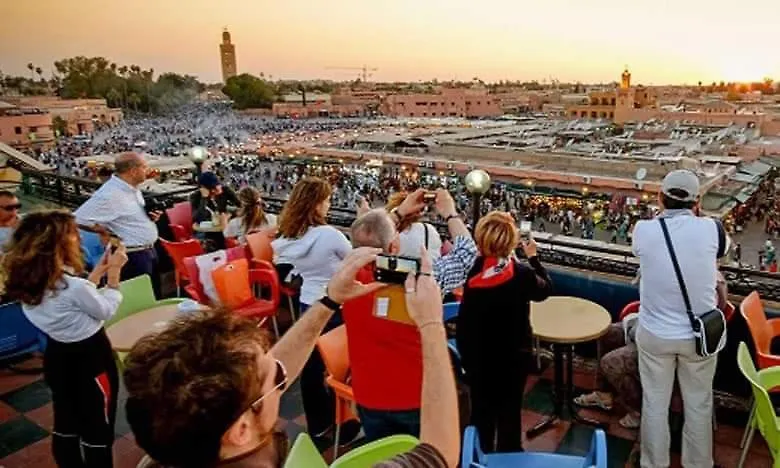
column 232, row 283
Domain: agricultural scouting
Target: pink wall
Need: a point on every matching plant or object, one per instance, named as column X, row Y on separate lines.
column 26, row 123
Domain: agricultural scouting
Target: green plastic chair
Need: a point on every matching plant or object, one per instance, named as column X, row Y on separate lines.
column 137, row 295
column 304, row 454
column 766, row 420
column 376, row 451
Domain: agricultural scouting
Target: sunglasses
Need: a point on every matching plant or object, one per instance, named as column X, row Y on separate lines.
column 17, row 206
column 280, row 384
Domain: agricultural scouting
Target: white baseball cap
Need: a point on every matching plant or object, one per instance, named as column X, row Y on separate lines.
column 681, row 185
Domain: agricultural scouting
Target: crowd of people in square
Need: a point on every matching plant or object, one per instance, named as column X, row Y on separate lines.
column 205, row 391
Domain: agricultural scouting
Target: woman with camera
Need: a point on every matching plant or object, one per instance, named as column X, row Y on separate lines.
column 494, row 330
column 44, row 260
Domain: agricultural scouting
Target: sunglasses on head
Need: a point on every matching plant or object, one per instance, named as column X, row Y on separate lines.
column 280, row 383
column 17, row 206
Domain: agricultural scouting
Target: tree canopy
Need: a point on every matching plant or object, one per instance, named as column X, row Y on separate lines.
column 248, row 91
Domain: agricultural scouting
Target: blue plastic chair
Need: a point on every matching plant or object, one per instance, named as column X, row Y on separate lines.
column 17, row 335
column 451, row 310
column 473, row 457
column 91, row 247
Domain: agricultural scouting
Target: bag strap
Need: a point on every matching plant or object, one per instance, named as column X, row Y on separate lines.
column 678, row 272
column 425, row 228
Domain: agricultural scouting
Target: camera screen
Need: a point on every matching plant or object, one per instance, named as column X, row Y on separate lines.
column 406, row 266
column 525, row 227
column 399, row 264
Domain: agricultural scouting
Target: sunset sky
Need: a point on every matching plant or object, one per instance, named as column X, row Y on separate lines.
column 662, row 41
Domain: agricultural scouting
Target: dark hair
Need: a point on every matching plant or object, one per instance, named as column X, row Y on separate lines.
column 189, row 383
column 673, row 204
column 40, row 248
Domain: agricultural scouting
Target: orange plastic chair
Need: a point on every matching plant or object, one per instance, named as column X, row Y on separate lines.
column 761, row 329
column 178, row 251
column 260, row 245
column 335, row 355
column 180, row 220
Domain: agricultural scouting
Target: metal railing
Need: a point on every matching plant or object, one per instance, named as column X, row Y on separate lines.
column 588, row 255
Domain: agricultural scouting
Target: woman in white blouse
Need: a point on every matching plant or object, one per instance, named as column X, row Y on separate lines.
column 43, row 260
column 251, row 217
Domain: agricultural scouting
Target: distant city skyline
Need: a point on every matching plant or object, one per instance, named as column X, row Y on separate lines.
column 662, row 41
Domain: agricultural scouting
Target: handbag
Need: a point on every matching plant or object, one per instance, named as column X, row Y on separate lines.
column 709, row 329
column 231, row 281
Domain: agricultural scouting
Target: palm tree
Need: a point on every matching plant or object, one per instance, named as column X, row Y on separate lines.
column 31, row 67
column 39, row 72
column 113, row 97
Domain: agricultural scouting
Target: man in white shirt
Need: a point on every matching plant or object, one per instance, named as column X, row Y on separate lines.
column 665, row 337
column 118, row 207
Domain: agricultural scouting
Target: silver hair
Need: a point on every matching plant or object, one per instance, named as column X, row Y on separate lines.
column 373, row 229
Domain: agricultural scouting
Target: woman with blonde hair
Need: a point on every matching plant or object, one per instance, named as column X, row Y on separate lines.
column 413, row 233
column 494, row 330
column 43, row 260
column 251, row 216
column 315, row 251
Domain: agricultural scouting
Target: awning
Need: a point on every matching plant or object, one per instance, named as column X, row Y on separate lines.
column 756, row 168
column 745, row 194
column 746, row 178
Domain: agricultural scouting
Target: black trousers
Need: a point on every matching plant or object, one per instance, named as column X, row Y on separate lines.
column 84, row 383
column 142, row 262
column 496, row 407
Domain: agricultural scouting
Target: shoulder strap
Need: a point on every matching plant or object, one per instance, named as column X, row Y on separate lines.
column 677, row 271
column 425, row 228
column 721, row 238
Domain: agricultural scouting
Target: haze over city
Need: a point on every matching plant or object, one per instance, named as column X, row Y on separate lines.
column 663, row 41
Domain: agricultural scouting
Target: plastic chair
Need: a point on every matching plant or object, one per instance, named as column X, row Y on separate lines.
column 765, row 417
column 304, row 454
column 630, row 308
column 258, row 308
column 473, row 457
column 18, row 335
column 451, row 310
column 762, row 331
column 375, row 452
column 137, row 295
column 178, row 251
column 92, row 247
column 287, row 291
column 260, row 245
column 180, row 220
column 335, row 355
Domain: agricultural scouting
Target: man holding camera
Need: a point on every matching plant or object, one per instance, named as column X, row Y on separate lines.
column 386, row 354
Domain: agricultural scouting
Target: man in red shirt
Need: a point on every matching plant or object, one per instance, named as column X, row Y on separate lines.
column 386, row 356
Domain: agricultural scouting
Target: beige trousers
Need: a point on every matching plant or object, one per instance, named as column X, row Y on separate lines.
column 659, row 361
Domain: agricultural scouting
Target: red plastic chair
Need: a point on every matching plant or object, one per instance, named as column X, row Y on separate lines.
column 259, row 244
column 285, row 290
column 258, row 308
column 180, row 220
column 630, row 308
column 178, row 251
column 195, row 287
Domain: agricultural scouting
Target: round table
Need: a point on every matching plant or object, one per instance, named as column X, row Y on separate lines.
column 126, row 332
column 565, row 321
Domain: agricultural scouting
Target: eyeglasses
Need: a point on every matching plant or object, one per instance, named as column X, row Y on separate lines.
column 280, row 383
column 17, row 206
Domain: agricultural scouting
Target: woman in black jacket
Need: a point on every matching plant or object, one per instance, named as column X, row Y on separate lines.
column 494, row 331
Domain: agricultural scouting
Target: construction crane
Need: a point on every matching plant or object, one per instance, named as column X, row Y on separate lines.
column 365, row 72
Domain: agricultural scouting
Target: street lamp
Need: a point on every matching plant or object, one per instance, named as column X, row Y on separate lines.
column 198, row 156
column 477, row 183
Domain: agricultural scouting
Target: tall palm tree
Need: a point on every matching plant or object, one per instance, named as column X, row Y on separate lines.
column 39, row 72
column 31, row 67
column 134, row 100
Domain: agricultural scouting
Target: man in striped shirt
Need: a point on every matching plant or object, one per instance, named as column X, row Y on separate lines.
column 118, row 207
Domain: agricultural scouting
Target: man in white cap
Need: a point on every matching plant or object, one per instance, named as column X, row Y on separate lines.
column 665, row 337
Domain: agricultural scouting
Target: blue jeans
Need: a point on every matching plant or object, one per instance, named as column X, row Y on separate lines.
column 378, row 424
column 318, row 402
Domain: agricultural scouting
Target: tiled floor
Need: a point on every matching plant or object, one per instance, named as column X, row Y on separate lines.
column 26, row 421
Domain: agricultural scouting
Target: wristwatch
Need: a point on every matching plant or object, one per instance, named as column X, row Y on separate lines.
column 330, row 303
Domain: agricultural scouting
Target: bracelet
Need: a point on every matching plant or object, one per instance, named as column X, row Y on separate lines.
column 448, row 218
column 434, row 322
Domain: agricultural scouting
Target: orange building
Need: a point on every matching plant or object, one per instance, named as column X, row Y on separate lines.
column 604, row 104
column 25, row 128
column 81, row 116
column 465, row 103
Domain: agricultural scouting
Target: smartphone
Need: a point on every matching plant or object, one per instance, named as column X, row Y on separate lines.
column 429, row 197
column 525, row 229
column 394, row 269
column 114, row 242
